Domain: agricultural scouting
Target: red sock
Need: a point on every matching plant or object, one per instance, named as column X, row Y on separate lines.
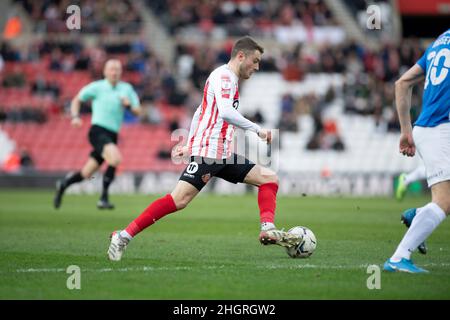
column 158, row 209
column 267, row 201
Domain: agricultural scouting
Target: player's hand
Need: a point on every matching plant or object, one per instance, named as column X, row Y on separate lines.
column 125, row 102
column 266, row 135
column 180, row 151
column 76, row 122
column 407, row 146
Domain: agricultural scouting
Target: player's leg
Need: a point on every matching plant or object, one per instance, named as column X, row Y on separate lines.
column 427, row 219
column 113, row 158
column 267, row 182
column 192, row 180
column 405, row 179
column 177, row 200
column 433, row 147
column 407, row 218
column 89, row 168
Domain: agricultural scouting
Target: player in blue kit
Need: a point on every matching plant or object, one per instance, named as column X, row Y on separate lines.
column 431, row 135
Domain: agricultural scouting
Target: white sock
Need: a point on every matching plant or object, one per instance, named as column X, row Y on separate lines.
column 267, row 226
column 125, row 234
column 417, row 174
column 426, row 220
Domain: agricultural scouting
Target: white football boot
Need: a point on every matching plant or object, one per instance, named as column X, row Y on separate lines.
column 117, row 246
column 279, row 237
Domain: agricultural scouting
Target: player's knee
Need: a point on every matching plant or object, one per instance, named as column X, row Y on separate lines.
column 181, row 204
column 115, row 161
column 181, row 201
column 270, row 178
column 446, row 206
column 85, row 175
column 443, row 201
column 266, row 180
column 274, row 179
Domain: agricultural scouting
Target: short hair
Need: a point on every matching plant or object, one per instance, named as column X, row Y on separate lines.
column 246, row 45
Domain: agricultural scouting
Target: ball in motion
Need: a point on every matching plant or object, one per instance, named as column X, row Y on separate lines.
column 306, row 247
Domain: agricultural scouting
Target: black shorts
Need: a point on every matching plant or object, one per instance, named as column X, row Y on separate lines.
column 98, row 137
column 200, row 170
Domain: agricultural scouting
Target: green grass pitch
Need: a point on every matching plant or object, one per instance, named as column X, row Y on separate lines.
column 210, row 250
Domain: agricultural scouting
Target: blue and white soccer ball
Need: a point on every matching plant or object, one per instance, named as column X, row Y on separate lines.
column 306, row 247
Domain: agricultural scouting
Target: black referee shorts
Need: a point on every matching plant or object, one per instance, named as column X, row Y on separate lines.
column 200, row 170
column 98, row 137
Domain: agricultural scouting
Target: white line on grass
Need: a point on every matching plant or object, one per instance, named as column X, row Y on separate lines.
column 213, row 267
column 138, row 269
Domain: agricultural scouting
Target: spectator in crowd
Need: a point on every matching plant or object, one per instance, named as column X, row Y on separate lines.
column 107, row 17
column 26, row 161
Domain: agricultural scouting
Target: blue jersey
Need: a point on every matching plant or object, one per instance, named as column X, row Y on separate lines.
column 436, row 95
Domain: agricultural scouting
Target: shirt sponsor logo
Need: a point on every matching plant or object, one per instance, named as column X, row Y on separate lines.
column 192, row 167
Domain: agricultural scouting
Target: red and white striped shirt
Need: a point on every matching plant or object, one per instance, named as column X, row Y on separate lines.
column 213, row 124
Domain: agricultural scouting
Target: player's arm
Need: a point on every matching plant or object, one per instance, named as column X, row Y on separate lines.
column 75, row 106
column 86, row 93
column 403, row 89
column 131, row 102
column 227, row 112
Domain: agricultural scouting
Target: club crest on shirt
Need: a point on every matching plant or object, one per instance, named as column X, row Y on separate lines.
column 225, row 86
column 206, row 177
column 226, row 83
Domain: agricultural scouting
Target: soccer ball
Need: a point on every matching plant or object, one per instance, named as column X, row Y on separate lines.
column 306, row 247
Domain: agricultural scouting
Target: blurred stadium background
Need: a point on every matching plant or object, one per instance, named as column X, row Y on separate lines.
column 326, row 82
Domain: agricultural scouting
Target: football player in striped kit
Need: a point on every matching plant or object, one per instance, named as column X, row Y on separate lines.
column 209, row 148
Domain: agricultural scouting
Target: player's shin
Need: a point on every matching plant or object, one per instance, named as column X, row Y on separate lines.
column 425, row 222
column 71, row 179
column 155, row 211
column 267, row 198
column 107, row 180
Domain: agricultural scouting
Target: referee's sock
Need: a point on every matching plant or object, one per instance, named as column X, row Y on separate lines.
column 71, row 179
column 108, row 178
